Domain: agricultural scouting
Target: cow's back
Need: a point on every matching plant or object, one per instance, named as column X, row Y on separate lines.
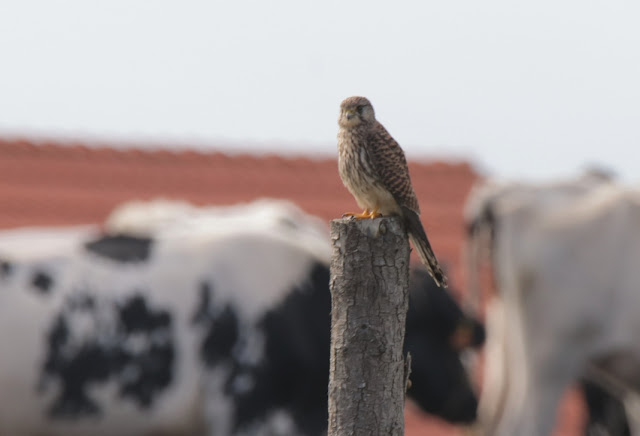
column 584, row 260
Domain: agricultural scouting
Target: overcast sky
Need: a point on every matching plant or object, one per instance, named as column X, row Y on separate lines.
column 531, row 90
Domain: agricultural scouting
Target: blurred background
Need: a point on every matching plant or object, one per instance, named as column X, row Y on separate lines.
column 555, row 82
column 225, row 102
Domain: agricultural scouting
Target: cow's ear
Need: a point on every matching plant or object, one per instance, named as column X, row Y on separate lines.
column 467, row 333
column 462, row 336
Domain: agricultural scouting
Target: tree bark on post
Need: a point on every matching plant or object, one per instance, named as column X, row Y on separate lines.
column 369, row 301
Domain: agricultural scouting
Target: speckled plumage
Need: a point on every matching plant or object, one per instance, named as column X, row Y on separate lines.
column 374, row 169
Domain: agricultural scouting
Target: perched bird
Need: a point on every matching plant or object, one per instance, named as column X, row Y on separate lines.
column 373, row 168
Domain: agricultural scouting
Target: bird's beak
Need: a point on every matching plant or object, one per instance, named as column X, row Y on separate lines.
column 349, row 114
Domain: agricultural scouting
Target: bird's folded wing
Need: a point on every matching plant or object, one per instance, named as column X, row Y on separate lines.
column 388, row 161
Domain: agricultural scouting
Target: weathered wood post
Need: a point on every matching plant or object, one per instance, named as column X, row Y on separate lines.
column 369, row 301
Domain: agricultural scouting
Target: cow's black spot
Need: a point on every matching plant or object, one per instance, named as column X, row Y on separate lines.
column 136, row 316
column 6, row 268
column 130, row 343
column 220, row 325
column 57, row 336
column 201, row 314
column 122, row 248
column 222, row 334
column 86, row 363
column 146, row 372
column 42, row 282
column 294, row 373
column 88, row 366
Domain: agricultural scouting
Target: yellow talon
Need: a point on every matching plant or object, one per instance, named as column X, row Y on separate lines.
column 365, row 214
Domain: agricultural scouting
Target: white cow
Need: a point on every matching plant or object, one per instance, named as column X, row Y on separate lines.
column 567, row 290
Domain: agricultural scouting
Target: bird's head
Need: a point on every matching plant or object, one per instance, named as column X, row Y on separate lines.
column 355, row 111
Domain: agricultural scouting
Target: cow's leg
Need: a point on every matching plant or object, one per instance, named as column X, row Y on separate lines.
column 530, row 405
column 515, row 376
column 495, row 376
column 540, row 411
column 543, row 359
column 553, row 359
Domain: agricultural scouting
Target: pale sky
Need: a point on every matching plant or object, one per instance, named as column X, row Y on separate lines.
column 531, row 90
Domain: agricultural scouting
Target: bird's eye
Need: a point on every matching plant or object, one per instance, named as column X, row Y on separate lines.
column 359, row 109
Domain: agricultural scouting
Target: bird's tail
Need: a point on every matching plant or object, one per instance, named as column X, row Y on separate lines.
column 423, row 247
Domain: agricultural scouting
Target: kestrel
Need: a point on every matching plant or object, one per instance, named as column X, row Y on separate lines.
column 373, row 168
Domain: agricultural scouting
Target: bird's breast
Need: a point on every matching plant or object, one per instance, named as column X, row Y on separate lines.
column 359, row 175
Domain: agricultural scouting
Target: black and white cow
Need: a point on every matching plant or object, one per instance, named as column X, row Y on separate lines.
column 175, row 320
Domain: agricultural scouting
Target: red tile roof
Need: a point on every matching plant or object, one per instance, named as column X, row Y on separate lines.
column 59, row 184
column 54, row 183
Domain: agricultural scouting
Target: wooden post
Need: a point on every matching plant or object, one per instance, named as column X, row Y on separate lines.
column 369, row 301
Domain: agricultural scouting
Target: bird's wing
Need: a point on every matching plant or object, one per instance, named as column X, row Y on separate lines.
column 388, row 161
